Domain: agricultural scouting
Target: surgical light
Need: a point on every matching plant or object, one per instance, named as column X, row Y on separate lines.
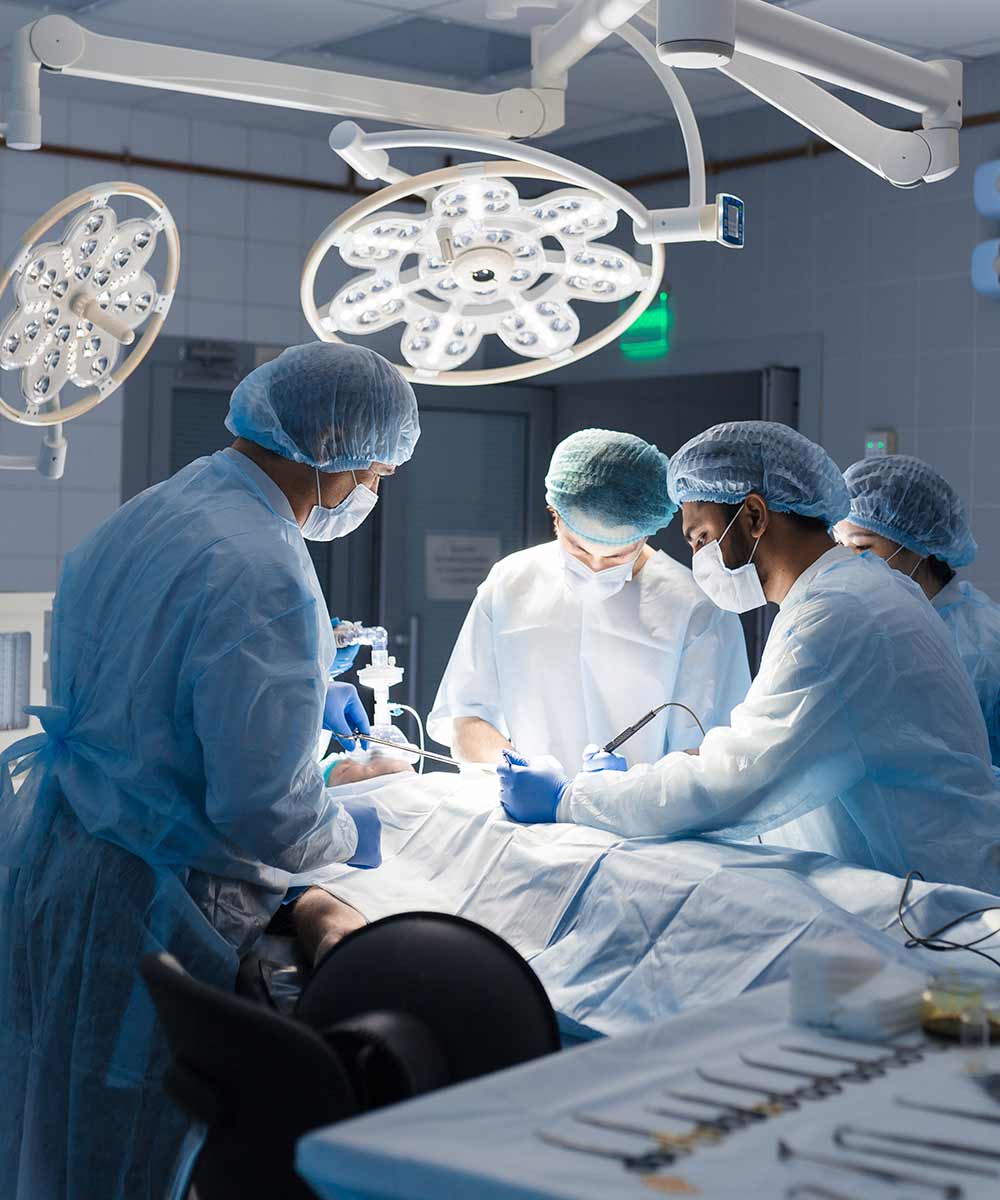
column 78, row 301
column 695, row 33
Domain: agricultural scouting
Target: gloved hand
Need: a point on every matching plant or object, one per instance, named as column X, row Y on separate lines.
column 369, row 826
column 343, row 660
column 343, row 712
column 596, row 759
column 530, row 791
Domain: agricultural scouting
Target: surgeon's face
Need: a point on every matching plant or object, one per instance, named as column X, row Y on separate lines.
column 593, row 554
column 857, row 539
column 335, row 486
column 704, row 522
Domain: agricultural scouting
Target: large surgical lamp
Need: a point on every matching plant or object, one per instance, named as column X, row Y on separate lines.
column 78, row 301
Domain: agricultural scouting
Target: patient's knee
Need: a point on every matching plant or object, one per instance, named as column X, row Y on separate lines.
column 321, row 921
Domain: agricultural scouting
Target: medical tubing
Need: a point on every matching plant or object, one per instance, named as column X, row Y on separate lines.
column 420, row 729
column 682, row 107
column 934, row 940
column 643, row 721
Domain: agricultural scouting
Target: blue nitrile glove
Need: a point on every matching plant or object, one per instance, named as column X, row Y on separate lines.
column 343, row 713
column 596, row 759
column 530, row 790
column 343, row 660
column 366, row 819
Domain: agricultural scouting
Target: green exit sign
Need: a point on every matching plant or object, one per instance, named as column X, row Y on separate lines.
column 649, row 334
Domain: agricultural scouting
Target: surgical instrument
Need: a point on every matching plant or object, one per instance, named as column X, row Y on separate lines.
column 411, row 749
column 964, row 1113
column 843, row 1132
column 758, row 1112
column 820, row 1086
column 726, row 1122
column 625, row 734
column 813, row 1191
column 680, row 1143
column 645, row 1163
column 783, row 1101
column 786, row 1153
column 863, row 1070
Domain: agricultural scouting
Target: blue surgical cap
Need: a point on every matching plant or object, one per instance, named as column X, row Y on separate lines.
column 728, row 462
column 908, row 502
column 609, row 487
column 333, row 406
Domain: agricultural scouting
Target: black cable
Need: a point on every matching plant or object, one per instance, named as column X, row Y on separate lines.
column 934, row 940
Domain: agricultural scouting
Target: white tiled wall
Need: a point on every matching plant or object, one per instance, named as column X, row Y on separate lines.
column 881, row 274
column 242, row 249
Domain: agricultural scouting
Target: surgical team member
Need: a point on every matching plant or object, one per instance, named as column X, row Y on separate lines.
column 860, row 736
column 903, row 511
column 175, row 791
column 570, row 642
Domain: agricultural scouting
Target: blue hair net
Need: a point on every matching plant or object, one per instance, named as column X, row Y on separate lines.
column 609, row 487
column 908, row 502
column 728, row 462
column 335, row 407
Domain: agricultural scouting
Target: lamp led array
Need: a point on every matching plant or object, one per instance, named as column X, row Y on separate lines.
column 476, row 264
column 77, row 302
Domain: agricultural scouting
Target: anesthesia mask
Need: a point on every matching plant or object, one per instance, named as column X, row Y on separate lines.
column 735, row 589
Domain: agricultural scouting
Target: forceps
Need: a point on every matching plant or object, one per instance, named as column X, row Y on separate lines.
column 863, row 1070
column 966, row 1114
column 678, row 1143
column 731, row 1117
column 820, row 1087
column 646, row 1163
column 780, row 1101
column 786, row 1153
column 858, row 1141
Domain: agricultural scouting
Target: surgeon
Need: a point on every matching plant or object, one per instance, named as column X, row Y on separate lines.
column 860, row 736
column 906, row 513
column 175, row 795
column 568, row 643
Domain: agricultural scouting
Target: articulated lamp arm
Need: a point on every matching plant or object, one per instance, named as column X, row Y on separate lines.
column 57, row 43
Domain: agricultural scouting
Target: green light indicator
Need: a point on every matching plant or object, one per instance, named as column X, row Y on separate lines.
column 871, row 445
column 881, row 445
column 649, row 334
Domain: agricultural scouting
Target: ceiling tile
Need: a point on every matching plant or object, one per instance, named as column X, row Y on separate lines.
column 923, row 23
column 270, row 27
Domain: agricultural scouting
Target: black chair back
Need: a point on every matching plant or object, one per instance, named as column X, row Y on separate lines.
column 258, row 1080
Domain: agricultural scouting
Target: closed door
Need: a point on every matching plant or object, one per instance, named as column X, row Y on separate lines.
column 472, row 493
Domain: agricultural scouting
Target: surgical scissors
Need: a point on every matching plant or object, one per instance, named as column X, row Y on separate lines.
column 756, row 1112
column 781, row 1101
column 820, row 1087
column 729, row 1120
column 681, row 1143
column 863, row 1070
column 646, row 1163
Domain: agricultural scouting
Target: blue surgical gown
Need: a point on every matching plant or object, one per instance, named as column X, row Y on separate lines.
column 860, row 737
column 174, row 796
column 974, row 621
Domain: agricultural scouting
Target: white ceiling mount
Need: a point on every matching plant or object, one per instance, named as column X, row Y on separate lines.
column 475, row 264
column 78, row 301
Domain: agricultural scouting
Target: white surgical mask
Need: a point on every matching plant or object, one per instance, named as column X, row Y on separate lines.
column 325, row 524
column 593, row 585
column 735, row 589
column 916, row 565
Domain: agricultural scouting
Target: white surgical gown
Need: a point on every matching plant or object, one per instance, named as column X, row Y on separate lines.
column 860, row 737
column 974, row 621
column 175, row 793
column 553, row 673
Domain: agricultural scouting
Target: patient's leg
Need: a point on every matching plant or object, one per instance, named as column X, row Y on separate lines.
column 321, row 921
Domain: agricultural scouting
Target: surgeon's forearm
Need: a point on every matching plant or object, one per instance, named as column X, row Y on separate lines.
column 476, row 740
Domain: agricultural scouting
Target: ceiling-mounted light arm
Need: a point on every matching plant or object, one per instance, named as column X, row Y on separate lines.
column 560, row 46
column 60, row 44
column 788, row 39
column 903, row 158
